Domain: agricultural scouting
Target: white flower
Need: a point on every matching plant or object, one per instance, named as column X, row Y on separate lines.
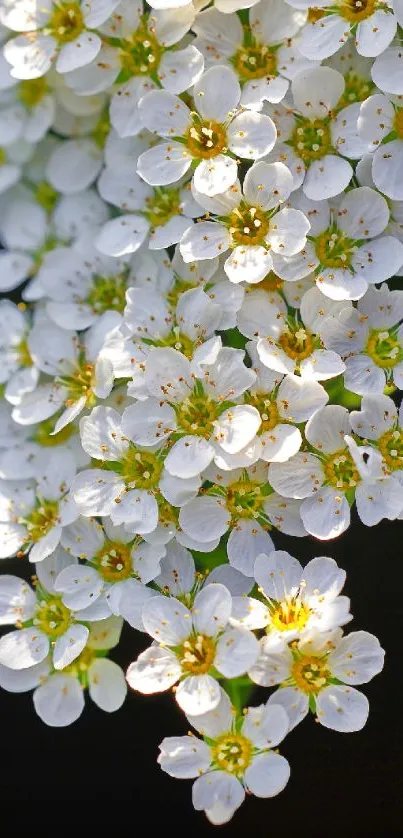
column 370, row 339
column 318, row 674
column 198, row 402
column 59, row 696
column 179, row 578
column 243, row 501
column 379, row 423
column 191, row 643
column 263, row 67
column 295, row 600
column 33, row 514
column 130, row 482
column 115, row 565
column 250, row 224
column 49, row 627
column 380, row 124
column 318, row 133
column 140, row 53
column 347, row 249
column 206, row 133
column 372, row 24
column 333, row 475
column 60, row 32
column 81, row 374
column 235, row 756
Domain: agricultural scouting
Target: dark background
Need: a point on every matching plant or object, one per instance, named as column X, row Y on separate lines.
column 103, row 768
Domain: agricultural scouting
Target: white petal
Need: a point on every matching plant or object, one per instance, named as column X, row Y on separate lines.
column 251, row 135
column 167, row 620
column 79, row 52
column 122, row 235
column 189, row 456
column 279, row 575
column 22, row 680
column 212, row 609
column 106, row 684
column 267, row 184
column 217, row 792
column 299, row 477
column 148, row 422
column 74, row 165
column 96, row 490
column 184, row 756
column 204, row 519
column 215, row 175
column 248, row 264
column 164, row 113
column 237, row 651
column 217, row 93
column 198, row 694
column 177, row 570
column 342, row 708
column 155, row 670
column 265, row 726
column 246, row 542
column 295, row 704
column 376, row 33
column 163, row 164
column 179, row 70
column 215, row 722
column 23, row 648
column 327, row 177
column 79, row 586
column 267, row 775
column 70, row 645
column 206, row 240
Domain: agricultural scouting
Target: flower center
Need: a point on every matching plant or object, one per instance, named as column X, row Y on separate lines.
column 141, row 469
column 356, row 10
column 43, row 431
column 310, row 673
column 356, row 89
column 178, row 341
column 79, row 667
column 108, row 293
column 297, row 342
column 163, row 206
column 168, row 515
column 102, row 129
column 32, row 91
column 52, row 617
column 340, row 470
column 384, row 348
column 391, row 448
column 232, row 752
column 45, row 195
column 3, row 157
column 248, row 225
column 80, row 384
column 141, row 53
column 197, row 654
column 311, row 139
column 179, row 287
column 270, row 283
column 290, row 614
column 244, row 499
column 315, row 14
column 65, row 23
column 399, row 122
column 334, row 249
column 114, row 561
column 255, row 61
column 267, row 409
column 42, row 519
column 197, row 414
column 206, row 138
column 24, row 355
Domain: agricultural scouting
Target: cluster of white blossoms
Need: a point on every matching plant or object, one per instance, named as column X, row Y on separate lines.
column 201, row 205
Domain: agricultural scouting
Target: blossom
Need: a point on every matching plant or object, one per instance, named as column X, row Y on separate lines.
column 380, row 124
column 63, row 33
column 333, row 474
column 205, row 134
column 190, row 643
column 250, row 224
column 262, row 54
column 295, row 600
column 59, row 695
column 318, row 672
column 235, row 756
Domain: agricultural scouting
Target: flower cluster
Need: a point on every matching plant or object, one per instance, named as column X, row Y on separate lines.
column 201, row 206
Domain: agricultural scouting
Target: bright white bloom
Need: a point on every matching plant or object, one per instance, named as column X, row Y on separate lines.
column 262, row 54
column 371, row 23
column 235, row 757
column 206, row 134
column 243, row 501
column 380, row 425
column 380, row 124
column 198, row 402
column 387, row 70
column 33, row 514
column 58, row 697
column 370, row 339
column 180, row 579
column 190, row 644
column 81, row 374
column 295, row 600
column 48, row 627
column 131, row 480
column 347, row 249
column 60, row 32
column 333, row 475
column 116, row 564
column 139, row 52
column 318, row 133
column 291, row 343
column 251, row 224
column 319, row 674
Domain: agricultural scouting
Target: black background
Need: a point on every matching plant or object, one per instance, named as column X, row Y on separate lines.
column 103, row 768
